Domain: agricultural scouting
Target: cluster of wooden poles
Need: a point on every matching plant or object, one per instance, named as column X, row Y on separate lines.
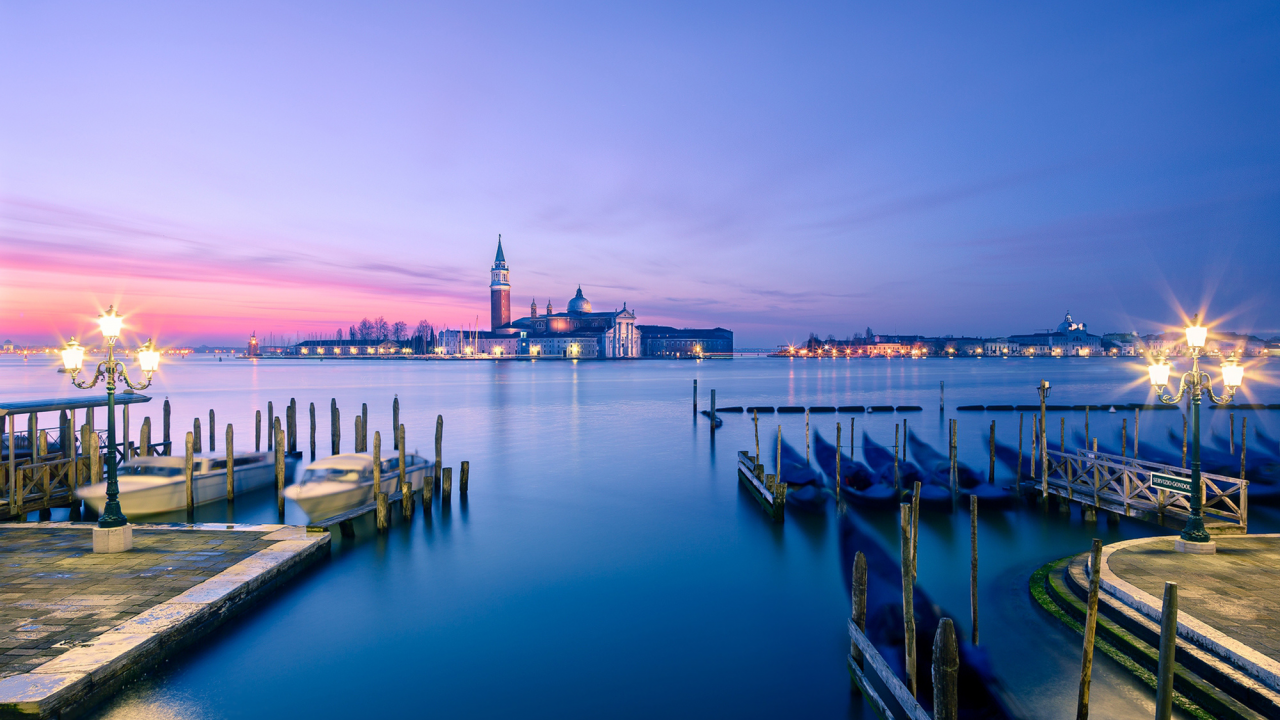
column 946, row 657
column 282, row 438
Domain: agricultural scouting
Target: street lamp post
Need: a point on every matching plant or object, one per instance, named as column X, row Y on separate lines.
column 1194, row 538
column 112, row 371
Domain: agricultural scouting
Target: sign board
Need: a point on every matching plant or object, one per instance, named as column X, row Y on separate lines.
column 1171, row 483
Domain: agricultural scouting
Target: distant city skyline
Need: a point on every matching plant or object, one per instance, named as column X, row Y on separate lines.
column 775, row 170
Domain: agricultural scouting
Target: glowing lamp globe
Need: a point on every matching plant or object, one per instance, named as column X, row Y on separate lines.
column 110, row 324
column 1159, row 372
column 73, row 356
column 1232, row 373
column 149, row 358
column 1196, row 335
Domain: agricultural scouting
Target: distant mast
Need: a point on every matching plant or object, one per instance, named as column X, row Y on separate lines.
column 499, row 291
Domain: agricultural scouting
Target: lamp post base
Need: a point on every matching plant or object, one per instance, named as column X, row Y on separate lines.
column 113, row 540
column 1195, row 548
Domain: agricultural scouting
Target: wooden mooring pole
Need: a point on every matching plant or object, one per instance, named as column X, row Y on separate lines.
column 358, row 435
column 406, row 485
column 942, row 395
column 1168, row 649
column 859, row 604
column 1244, row 443
column 464, row 471
column 695, row 399
column 973, row 566
column 897, row 485
column 439, row 447
column 806, row 436
column 713, row 410
column 946, row 672
column 908, row 590
column 313, row 432
column 364, row 427
column 991, row 475
column 838, row 476
column 212, row 447
column 379, row 496
column 168, row 449
column 271, row 424
column 279, row 433
column 231, row 465
column 144, row 438
column 446, row 485
column 195, row 429
column 335, row 427
column 1090, row 626
column 395, row 419
column 257, row 431
column 755, row 423
column 292, row 425
column 187, row 467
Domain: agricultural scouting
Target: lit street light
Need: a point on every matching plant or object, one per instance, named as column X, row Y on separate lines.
column 111, row 369
column 1194, row 537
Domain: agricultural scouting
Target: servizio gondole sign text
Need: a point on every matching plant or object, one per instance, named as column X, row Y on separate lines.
column 1171, row 483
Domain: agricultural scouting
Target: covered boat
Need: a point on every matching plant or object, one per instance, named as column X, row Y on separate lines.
column 157, row 483
column 338, row 483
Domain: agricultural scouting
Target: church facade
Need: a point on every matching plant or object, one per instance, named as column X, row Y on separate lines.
column 578, row 332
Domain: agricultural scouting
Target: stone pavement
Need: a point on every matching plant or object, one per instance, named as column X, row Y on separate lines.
column 55, row 593
column 1236, row 591
column 1228, row 603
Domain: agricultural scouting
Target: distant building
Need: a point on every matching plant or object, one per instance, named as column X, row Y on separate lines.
column 344, row 348
column 1071, row 338
column 1000, row 347
column 577, row 332
column 253, row 349
column 669, row 342
column 8, row 346
column 1122, row 344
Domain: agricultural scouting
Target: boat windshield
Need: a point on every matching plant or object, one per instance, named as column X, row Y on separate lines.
column 159, row 470
column 330, row 475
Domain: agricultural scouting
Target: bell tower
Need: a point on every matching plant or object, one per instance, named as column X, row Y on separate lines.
column 499, row 291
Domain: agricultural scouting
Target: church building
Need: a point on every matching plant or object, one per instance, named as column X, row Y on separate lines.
column 578, row 332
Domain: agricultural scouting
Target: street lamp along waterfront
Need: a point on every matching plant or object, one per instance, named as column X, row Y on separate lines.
column 113, row 533
column 1195, row 538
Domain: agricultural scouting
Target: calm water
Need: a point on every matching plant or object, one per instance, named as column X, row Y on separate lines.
column 606, row 562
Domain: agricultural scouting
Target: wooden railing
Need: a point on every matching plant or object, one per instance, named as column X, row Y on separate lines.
column 1122, row 484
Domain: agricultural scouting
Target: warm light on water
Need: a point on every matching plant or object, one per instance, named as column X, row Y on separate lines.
column 605, row 563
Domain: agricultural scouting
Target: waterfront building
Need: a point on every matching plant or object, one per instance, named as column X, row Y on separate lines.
column 253, row 350
column 8, row 346
column 580, row 331
column 1001, row 346
column 1070, row 338
column 1122, row 344
column 669, row 342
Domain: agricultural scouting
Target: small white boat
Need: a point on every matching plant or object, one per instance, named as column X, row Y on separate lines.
column 155, row 484
column 339, row 483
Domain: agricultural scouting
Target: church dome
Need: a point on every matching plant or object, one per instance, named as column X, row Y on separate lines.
column 579, row 304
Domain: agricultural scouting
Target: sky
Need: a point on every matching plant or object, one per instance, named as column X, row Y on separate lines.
column 773, row 168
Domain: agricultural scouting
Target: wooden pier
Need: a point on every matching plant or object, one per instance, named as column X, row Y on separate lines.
column 1124, row 485
column 771, row 494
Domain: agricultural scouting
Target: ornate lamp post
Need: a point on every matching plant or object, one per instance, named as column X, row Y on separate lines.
column 1195, row 539
column 112, row 371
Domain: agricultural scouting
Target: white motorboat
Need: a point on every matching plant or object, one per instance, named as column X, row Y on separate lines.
column 338, row 483
column 155, row 484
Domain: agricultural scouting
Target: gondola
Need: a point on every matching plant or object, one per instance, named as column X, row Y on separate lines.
column 858, row 484
column 982, row 696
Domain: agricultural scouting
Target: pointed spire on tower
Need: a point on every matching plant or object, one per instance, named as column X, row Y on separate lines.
column 499, row 258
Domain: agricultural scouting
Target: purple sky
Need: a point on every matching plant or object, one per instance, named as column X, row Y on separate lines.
column 773, row 169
